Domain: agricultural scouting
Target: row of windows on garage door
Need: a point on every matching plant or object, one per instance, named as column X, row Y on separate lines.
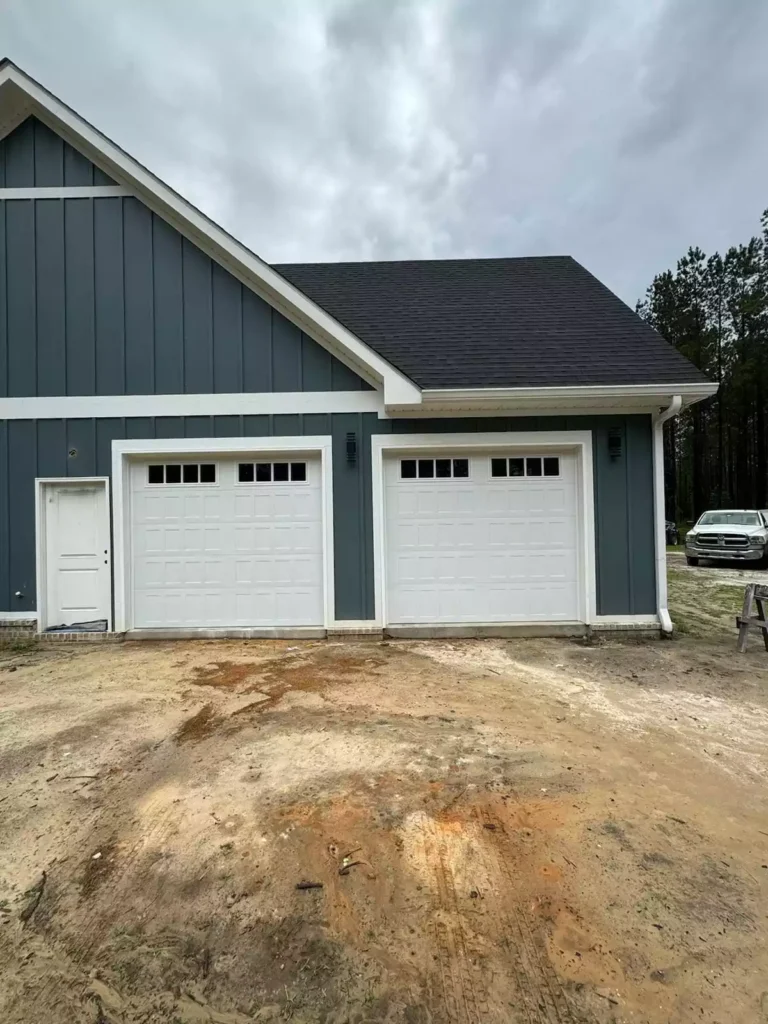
column 239, row 541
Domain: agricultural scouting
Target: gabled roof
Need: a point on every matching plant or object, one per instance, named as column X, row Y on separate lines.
column 494, row 323
column 511, row 333
column 21, row 96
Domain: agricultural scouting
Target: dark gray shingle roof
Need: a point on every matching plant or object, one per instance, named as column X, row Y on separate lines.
column 521, row 322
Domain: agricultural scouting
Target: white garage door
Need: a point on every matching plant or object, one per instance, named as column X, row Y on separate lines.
column 482, row 538
column 227, row 542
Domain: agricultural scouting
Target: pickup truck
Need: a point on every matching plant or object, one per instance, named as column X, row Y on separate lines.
column 729, row 535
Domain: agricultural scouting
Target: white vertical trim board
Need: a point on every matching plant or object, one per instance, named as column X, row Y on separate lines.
column 579, row 441
column 40, row 539
column 124, row 451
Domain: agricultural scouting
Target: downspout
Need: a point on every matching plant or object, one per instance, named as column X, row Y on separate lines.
column 672, row 409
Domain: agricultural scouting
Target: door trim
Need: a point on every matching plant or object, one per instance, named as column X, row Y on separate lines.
column 41, row 566
column 578, row 441
column 125, row 451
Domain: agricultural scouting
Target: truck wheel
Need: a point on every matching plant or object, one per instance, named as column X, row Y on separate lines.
column 691, row 561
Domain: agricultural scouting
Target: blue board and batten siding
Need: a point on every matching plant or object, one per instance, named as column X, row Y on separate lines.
column 624, row 513
column 102, row 297
column 99, row 296
column 33, row 156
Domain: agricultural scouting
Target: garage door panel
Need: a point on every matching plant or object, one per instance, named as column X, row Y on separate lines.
column 243, row 506
column 193, row 539
column 227, row 553
column 213, row 538
column 500, row 501
column 158, row 572
column 482, row 548
column 557, row 500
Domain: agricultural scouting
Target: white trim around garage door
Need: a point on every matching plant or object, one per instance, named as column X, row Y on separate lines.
column 41, row 566
column 578, row 441
column 124, row 451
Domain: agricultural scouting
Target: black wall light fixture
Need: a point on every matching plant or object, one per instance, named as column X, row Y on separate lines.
column 351, row 448
column 615, row 444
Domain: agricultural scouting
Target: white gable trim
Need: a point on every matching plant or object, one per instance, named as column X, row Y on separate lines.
column 245, row 265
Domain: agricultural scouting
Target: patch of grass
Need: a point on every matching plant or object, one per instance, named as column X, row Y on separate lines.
column 702, row 608
column 18, row 645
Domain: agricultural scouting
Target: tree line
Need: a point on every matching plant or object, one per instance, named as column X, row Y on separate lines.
column 714, row 309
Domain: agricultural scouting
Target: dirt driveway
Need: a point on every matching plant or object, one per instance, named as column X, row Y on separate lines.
column 533, row 831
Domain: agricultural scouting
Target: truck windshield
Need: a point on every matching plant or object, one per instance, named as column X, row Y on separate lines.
column 729, row 519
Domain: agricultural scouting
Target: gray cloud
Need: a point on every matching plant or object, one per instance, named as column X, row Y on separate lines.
column 353, row 129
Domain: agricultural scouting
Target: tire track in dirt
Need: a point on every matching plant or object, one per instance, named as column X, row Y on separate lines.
column 463, row 996
column 95, row 923
column 545, row 998
column 467, row 987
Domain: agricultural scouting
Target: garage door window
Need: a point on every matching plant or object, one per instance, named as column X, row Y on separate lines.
column 271, row 472
column 434, row 469
column 182, row 473
column 528, row 466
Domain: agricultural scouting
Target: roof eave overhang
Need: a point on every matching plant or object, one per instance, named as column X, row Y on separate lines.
column 21, row 96
column 618, row 398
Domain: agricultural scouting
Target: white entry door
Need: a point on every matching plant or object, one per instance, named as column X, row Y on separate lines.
column 76, row 576
column 482, row 538
column 227, row 541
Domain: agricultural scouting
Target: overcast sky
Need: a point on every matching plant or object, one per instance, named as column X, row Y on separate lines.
column 619, row 131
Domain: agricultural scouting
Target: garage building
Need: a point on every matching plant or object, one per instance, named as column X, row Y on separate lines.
column 194, row 441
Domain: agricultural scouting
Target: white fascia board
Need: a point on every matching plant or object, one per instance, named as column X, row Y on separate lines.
column 694, row 392
column 614, row 398
column 226, row 250
column 271, row 403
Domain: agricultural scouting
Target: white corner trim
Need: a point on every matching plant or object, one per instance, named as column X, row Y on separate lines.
column 123, row 451
column 660, row 531
column 41, row 482
column 578, row 440
column 252, row 271
column 243, row 404
column 65, row 192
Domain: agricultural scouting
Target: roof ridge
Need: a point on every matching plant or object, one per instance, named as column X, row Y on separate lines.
column 428, row 260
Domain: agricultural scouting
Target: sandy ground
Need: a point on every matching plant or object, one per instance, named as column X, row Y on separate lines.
column 532, row 831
